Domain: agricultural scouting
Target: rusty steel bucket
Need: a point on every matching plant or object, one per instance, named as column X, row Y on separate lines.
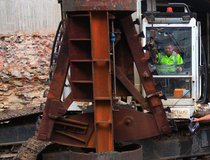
column 130, row 152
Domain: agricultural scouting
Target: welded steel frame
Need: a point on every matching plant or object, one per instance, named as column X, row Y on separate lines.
column 86, row 49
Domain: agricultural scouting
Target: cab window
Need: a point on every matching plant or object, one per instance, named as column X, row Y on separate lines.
column 172, row 67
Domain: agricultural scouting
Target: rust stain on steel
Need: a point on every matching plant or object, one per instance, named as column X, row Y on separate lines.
column 124, row 61
column 130, row 87
column 55, row 92
column 79, row 131
column 133, row 125
column 86, row 48
column 97, row 5
column 102, row 81
column 74, row 131
column 145, row 74
column 68, row 101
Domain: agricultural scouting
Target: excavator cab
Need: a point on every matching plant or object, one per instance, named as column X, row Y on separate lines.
column 177, row 26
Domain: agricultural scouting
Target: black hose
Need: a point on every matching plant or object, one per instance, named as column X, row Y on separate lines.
column 203, row 99
column 53, row 48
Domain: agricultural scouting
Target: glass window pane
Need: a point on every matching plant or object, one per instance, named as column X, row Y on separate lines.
column 175, row 87
column 174, row 50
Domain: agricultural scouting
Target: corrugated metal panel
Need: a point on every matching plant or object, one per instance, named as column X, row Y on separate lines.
column 29, row 16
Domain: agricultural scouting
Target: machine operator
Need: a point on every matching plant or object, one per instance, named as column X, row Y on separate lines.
column 169, row 62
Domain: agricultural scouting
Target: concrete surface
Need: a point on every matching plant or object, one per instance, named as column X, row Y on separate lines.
column 29, row 16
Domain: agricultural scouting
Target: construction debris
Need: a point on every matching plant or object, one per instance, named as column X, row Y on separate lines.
column 24, row 70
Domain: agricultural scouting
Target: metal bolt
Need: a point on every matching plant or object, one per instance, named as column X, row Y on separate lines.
column 128, row 121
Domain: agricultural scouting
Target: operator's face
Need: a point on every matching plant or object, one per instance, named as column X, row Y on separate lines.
column 168, row 50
